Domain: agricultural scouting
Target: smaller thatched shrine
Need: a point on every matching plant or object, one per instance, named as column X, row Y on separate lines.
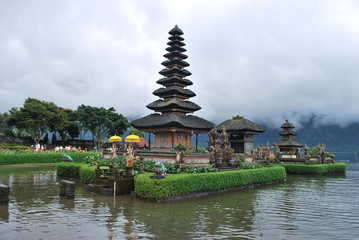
column 288, row 146
column 241, row 131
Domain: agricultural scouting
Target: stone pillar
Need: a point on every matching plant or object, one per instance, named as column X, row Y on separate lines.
column 67, row 189
column 4, row 194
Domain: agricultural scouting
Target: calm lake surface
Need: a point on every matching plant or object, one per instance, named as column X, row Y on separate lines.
column 301, row 208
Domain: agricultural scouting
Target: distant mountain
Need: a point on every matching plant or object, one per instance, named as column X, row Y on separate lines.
column 336, row 138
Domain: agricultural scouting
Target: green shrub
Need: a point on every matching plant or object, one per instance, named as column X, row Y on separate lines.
column 302, row 169
column 68, row 169
column 250, row 166
column 12, row 146
column 84, row 172
column 29, row 158
column 148, row 166
column 42, row 157
column 87, row 174
column 181, row 184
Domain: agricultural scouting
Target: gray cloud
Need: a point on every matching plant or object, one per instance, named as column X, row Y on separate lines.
column 265, row 60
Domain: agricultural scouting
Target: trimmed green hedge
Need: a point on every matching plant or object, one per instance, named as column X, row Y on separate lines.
column 87, row 174
column 83, row 171
column 181, row 184
column 42, row 157
column 316, row 169
column 67, row 169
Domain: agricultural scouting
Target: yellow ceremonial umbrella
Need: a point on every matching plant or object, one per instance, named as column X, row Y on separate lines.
column 132, row 139
column 115, row 139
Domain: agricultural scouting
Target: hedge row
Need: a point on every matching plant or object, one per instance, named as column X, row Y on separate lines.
column 87, row 174
column 182, row 184
column 84, row 172
column 301, row 169
column 40, row 157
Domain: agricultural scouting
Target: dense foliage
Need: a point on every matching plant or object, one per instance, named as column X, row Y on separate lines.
column 314, row 152
column 135, row 131
column 182, row 184
column 5, row 129
column 172, row 169
column 82, row 171
column 302, row 169
column 36, row 118
column 66, row 169
column 12, row 147
column 101, row 122
column 42, row 157
column 87, row 174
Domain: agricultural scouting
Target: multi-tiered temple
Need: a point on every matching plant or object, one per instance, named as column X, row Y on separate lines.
column 287, row 145
column 171, row 122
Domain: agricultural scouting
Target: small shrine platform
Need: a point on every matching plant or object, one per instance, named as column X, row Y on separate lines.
column 112, row 184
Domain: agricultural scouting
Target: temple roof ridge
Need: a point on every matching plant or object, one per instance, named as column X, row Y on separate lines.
column 175, row 31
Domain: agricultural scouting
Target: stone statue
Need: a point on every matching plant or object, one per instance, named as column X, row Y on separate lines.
column 297, row 153
column 129, row 158
column 179, row 157
column 160, row 171
column 224, row 136
column 267, row 153
column 213, row 135
column 219, row 147
column 276, row 153
column 66, row 158
column 306, row 151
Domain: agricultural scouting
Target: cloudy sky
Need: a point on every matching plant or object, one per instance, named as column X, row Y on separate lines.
column 267, row 60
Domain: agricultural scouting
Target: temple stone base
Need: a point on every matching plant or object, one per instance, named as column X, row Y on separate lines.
column 67, row 189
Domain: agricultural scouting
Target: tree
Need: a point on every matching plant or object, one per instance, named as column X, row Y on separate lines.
column 36, row 117
column 69, row 128
column 4, row 128
column 137, row 132
column 101, row 122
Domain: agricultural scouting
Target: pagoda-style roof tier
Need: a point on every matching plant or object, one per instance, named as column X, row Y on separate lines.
column 176, row 43
column 175, row 31
column 160, row 122
column 175, row 48
column 240, row 125
column 176, row 38
column 173, row 105
column 174, row 91
column 287, row 125
column 175, row 80
column 287, row 133
column 172, row 55
column 288, row 144
column 175, row 71
column 175, row 63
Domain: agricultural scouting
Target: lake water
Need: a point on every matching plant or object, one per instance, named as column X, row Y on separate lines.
column 301, row 208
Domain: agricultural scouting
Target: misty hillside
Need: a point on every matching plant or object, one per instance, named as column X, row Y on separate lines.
column 336, row 138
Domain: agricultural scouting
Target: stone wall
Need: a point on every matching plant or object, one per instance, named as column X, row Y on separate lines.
column 192, row 159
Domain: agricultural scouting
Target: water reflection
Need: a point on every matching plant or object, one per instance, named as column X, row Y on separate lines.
column 194, row 219
column 301, row 208
column 4, row 212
